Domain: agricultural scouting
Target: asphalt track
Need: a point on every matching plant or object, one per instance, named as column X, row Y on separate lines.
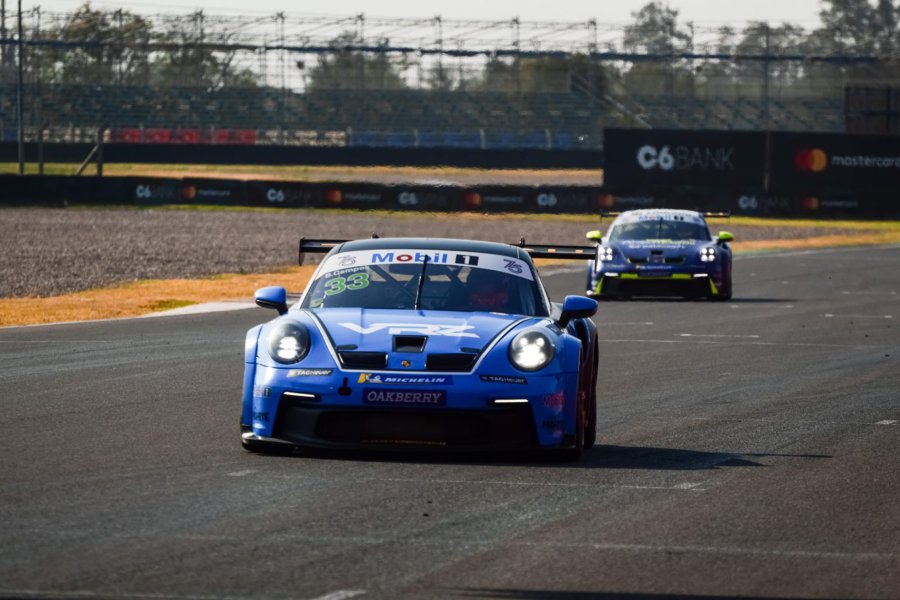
column 749, row 449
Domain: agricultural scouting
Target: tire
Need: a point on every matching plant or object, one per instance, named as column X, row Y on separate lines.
column 589, row 285
column 724, row 293
column 575, row 452
column 590, row 432
column 726, row 289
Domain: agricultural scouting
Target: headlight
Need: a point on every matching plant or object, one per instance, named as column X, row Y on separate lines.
column 288, row 342
column 531, row 350
column 708, row 254
column 605, row 254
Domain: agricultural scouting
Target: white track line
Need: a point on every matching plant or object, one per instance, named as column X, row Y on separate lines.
column 833, row 316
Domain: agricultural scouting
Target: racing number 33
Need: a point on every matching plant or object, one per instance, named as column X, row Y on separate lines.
column 357, row 281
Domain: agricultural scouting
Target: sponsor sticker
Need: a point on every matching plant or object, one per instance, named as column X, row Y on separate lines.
column 382, row 396
column 412, row 329
column 491, row 262
column 555, row 401
column 504, row 379
column 661, row 214
column 653, row 271
column 309, row 372
column 262, row 417
column 381, row 379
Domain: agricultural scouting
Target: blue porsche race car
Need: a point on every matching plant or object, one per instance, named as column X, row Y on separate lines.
column 423, row 343
column 660, row 252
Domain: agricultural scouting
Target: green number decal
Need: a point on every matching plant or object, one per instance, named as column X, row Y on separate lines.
column 335, row 286
column 338, row 285
column 358, row 281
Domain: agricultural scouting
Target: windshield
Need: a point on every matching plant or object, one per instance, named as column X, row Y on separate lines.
column 400, row 285
column 658, row 230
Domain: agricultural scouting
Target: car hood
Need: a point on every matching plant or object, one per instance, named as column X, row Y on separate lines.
column 377, row 330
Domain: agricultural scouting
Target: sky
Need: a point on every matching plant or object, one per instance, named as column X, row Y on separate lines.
column 713, row 12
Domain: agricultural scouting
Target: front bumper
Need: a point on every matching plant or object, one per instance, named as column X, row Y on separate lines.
column 331, row 412
column 686, row 282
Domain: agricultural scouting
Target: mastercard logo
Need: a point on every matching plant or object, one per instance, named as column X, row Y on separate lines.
column 334, row 197
column 811, row 160
column 810, row 203
column 472, row 200
column 189, row 192
column 605, row 201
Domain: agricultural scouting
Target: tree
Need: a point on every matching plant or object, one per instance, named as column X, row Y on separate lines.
column 854, row 28
column 191, row 60
column 657, row 34
column 564, row 73
column 95, row 47
column 347, row 67
column 763, row 40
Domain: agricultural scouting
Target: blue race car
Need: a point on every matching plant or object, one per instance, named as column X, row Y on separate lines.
column 660, row 252
column 423, row 343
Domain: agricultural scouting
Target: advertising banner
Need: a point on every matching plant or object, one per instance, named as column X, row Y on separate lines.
column 820, row 162
column 642, row 159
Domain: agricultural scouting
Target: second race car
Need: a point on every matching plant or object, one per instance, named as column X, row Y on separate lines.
column 660, row 252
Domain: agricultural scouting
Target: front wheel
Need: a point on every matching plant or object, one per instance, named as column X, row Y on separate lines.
column 725, row 291
column 590, row 426
column 574, row 453
column 589, row 285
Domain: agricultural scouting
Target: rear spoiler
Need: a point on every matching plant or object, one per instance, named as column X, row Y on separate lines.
column 314, row 246
column 706, row 215
column 321, row 246
column 558, row 251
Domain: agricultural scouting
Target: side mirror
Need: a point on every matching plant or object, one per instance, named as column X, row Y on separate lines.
column 272, row 297
column 724, row 236
column 595, row 236
column 576, row 307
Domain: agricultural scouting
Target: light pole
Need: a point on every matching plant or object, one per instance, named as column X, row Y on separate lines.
column 3, row 35
column 20, row 82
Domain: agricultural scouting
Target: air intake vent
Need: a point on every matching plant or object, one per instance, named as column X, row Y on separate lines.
column 674, row 260
column 363, row 360
column 450, row 362
column 409, row 343
column 637, row 260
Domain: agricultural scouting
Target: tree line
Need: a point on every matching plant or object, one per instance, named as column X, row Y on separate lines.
column 658, row 55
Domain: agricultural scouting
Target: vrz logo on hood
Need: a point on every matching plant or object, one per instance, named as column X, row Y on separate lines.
column 406, row 329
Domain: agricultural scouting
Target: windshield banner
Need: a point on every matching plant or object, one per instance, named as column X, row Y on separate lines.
column 491, row 262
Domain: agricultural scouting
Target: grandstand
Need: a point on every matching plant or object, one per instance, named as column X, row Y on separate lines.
column 398, row 118
column 549, row 96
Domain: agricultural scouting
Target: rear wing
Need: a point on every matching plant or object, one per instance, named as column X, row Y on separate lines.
column 321, row 246
column 313, row 246
column 558, row 251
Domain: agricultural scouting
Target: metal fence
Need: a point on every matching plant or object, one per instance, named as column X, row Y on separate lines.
column 323, row 80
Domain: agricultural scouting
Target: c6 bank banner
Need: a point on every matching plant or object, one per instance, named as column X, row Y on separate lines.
column 814, row 162
column 641, row 159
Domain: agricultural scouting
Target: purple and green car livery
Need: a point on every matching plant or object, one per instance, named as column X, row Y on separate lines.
column 660, row 252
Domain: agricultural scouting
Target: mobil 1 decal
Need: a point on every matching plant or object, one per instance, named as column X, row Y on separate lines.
column 637, row 158
column 368, row 258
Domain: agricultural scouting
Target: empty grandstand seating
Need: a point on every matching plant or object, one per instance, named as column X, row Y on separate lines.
column 398, row 118
column 743, row 112
column 387, row 118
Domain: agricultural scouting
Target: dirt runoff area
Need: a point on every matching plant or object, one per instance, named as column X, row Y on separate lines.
column 63, row 264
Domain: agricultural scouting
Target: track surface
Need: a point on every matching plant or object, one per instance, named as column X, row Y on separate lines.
column 749, row 448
